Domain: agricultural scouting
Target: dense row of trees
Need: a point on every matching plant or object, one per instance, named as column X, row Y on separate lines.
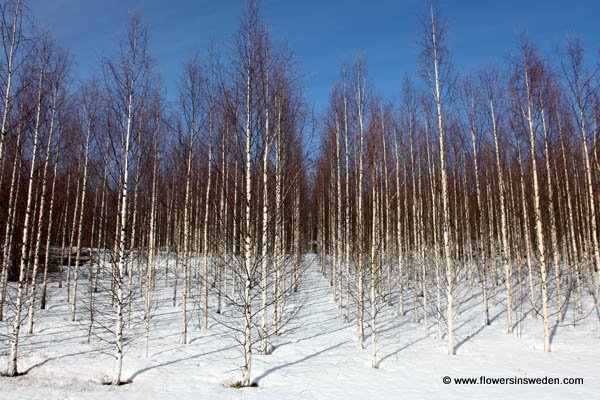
column 108, row 181
column 488, row 178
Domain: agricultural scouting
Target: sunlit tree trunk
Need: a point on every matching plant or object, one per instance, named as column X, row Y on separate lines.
column 575, row 253
column 205, row 246
column 375, row 220
column 551, row 212
column 27, row 228
column 49, row 231
column 41, row 212
column 11, row 217
column 82, row 210
column 12, row 46
column 537, row 211
column 361, row 235
column 247, row 259
column 503, row 223
column 347, row 221
column 265, row 216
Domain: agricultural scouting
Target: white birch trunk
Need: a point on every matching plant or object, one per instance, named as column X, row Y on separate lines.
column 186, row 229
column 247, row 367
column 15, row 181
column 206, row 222
column 27, row 230
column 360, row 271
column 537, row 211
column 444, row 184
column 265, row 217
column 41, row 212
column 80, row 219
column 9, row 77
column 503, row 224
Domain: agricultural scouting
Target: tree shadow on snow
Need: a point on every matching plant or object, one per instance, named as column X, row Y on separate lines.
column 406, row 346
column 324, row 333
column 305, row 358
column 47, row 360
column 469, row 337
column 171, row 362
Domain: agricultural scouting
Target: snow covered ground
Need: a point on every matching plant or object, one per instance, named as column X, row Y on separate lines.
column 317, row 357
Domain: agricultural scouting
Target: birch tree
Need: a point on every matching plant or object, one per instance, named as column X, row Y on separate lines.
column 11, row 13
column 126, row 77
column 435, row 55
column 90, row 110
column 41, row 69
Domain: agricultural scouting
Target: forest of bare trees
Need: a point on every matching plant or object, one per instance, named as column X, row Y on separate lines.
column 484, row 179
column 99, row 181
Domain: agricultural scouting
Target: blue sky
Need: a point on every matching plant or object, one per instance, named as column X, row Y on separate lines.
column 322, row 33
